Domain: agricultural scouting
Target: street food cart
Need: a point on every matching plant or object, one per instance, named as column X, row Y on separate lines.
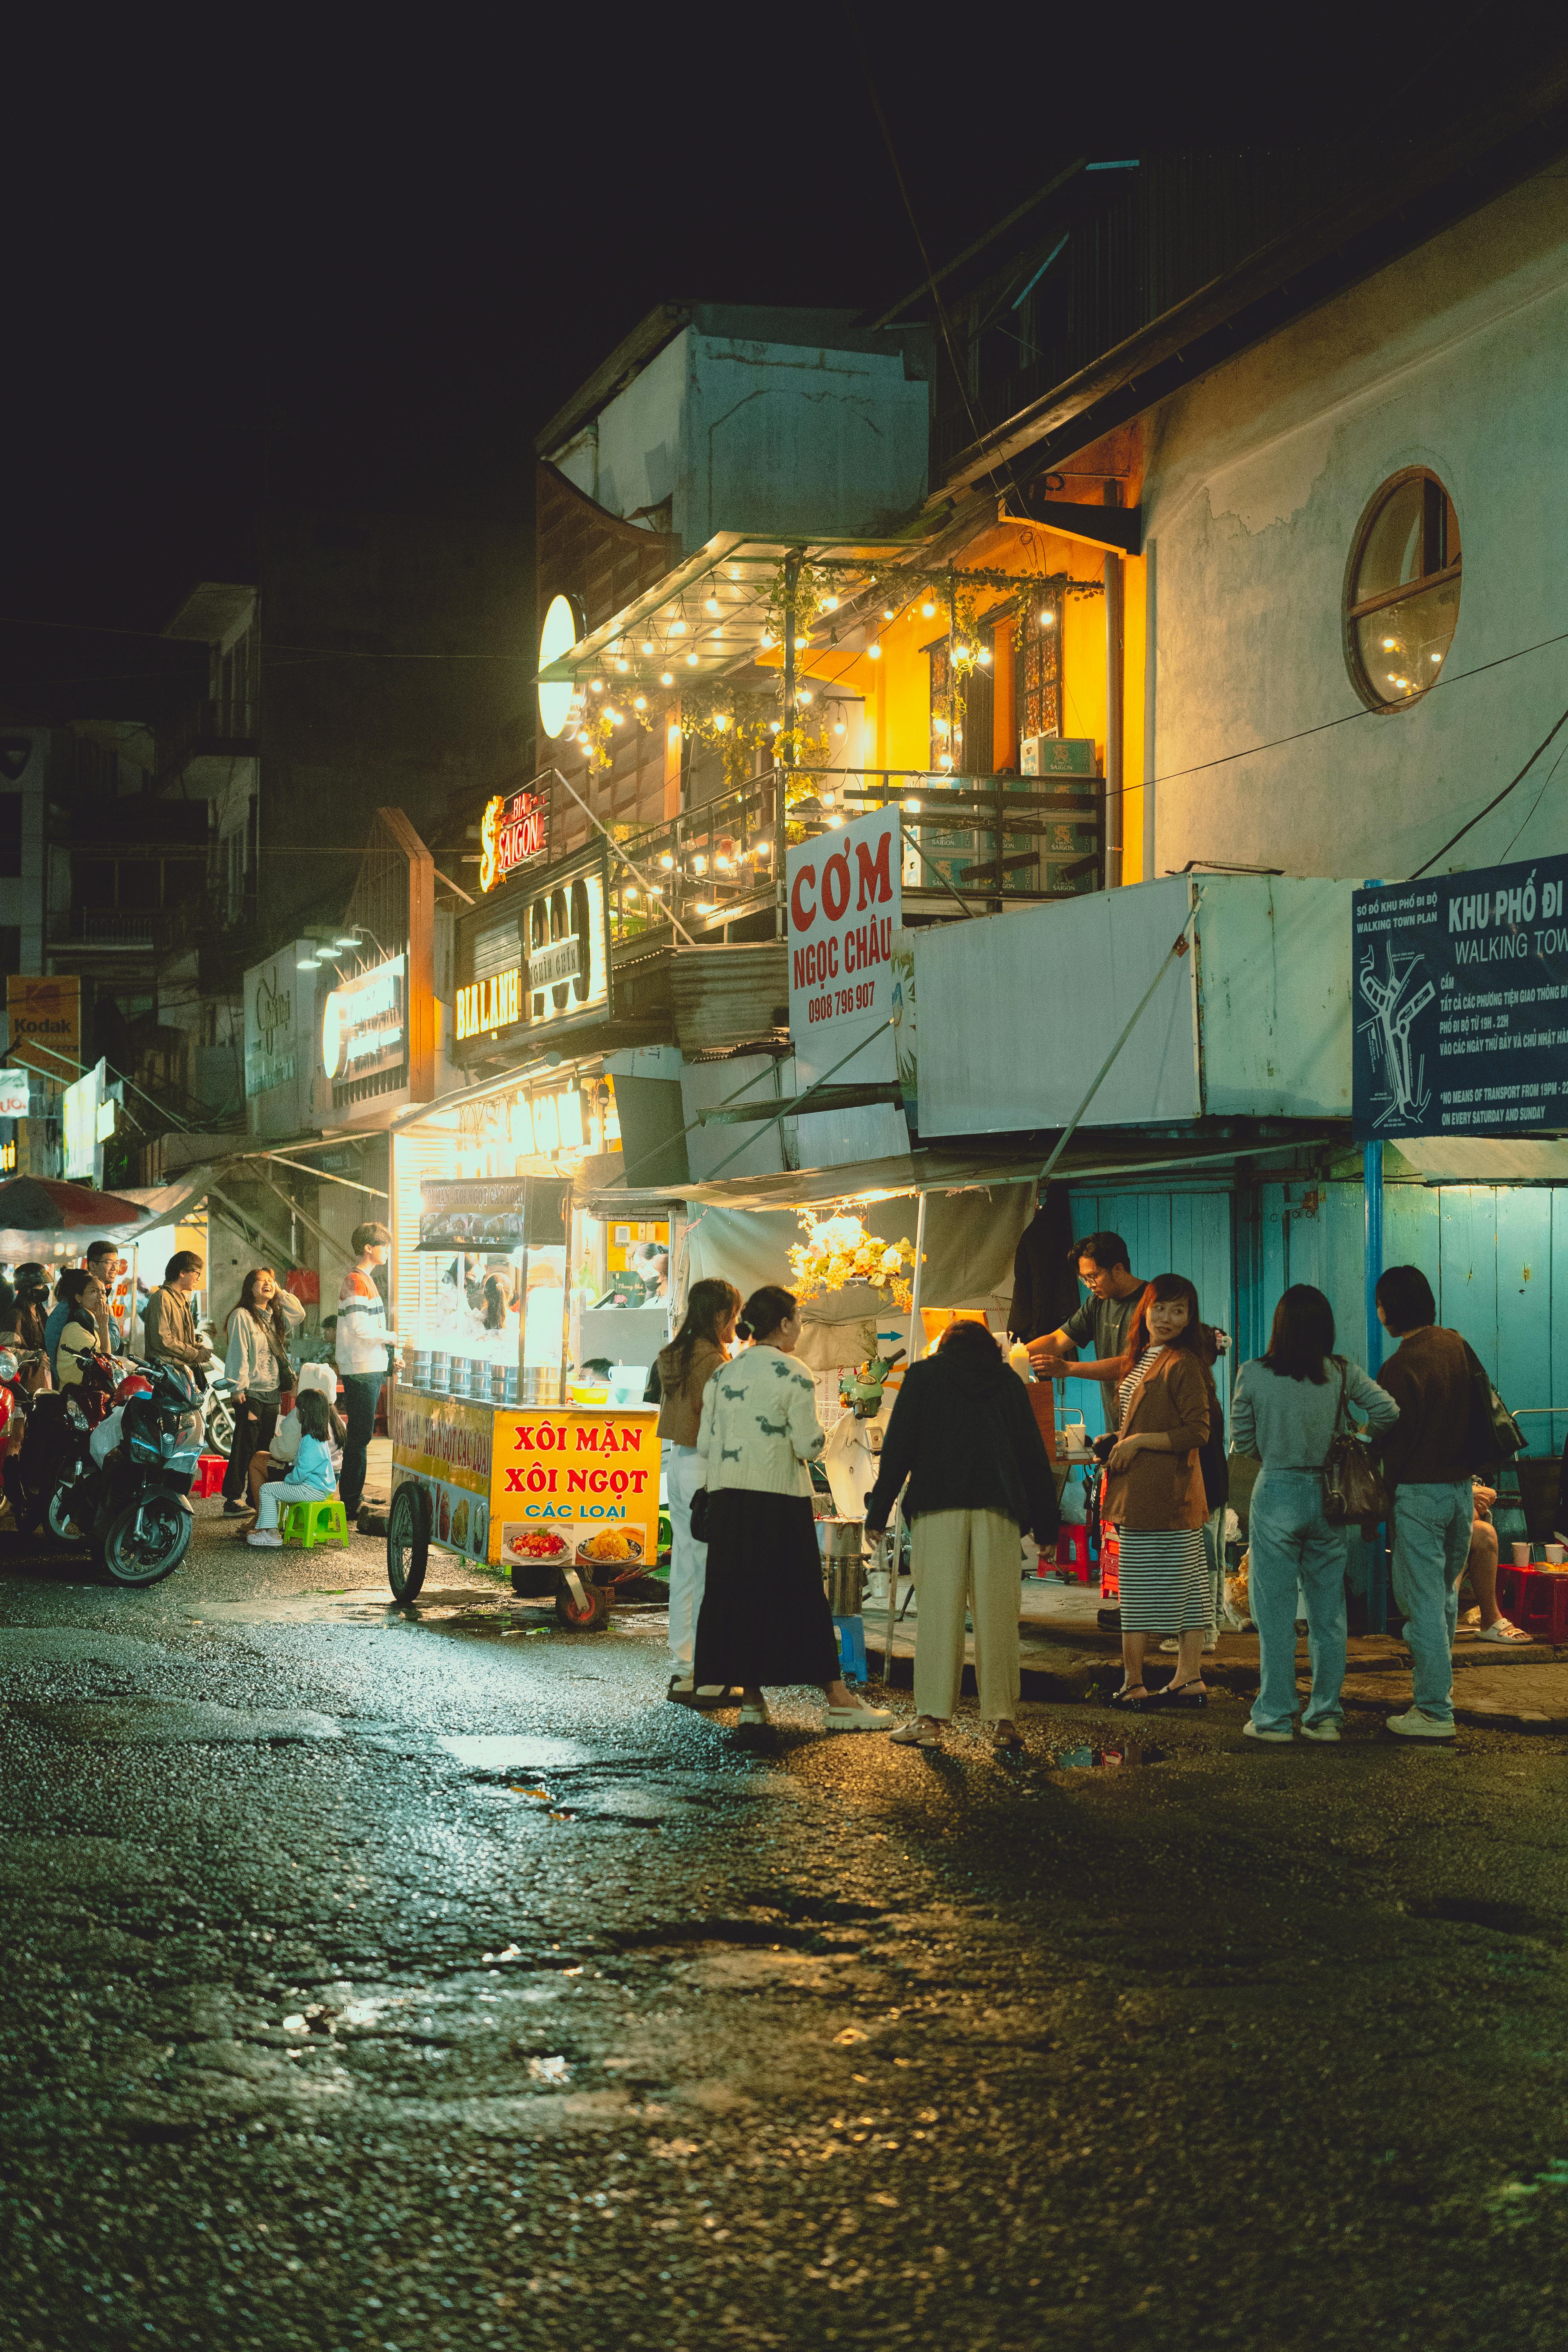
column 497, row 1456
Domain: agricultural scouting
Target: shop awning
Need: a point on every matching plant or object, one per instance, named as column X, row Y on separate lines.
column 942, row 1169
column 1484, row 1159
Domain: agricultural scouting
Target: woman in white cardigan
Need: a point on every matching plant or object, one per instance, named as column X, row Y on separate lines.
column 764, row 1615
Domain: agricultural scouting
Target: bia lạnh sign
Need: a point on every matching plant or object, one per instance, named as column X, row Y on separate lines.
column 1459, row 1003
column 845, row 904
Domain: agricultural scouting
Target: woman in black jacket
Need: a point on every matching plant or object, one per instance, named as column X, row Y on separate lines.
column 963, row 1433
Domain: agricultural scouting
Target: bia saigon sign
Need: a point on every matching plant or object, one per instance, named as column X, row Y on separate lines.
column 512, row 831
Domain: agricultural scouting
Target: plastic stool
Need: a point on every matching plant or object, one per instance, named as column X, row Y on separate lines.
column 851, row 1632
column 313, row 1522
column 1536, row 1600
column 208, row 1479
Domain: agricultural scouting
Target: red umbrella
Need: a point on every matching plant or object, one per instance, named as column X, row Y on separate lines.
column 40, row 1211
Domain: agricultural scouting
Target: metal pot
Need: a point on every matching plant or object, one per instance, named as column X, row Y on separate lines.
column 842, row 1543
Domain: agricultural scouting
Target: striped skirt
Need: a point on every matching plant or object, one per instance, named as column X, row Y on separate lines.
column 1163, row 1575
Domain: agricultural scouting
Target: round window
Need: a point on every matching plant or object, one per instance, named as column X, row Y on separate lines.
column 1402, row 598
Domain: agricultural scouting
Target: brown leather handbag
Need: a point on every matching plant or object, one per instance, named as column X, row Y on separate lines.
column 1354, row 1491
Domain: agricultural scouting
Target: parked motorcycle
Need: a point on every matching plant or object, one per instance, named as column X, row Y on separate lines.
column 54, row 1452
column 21, row 1372
column 133, row 1496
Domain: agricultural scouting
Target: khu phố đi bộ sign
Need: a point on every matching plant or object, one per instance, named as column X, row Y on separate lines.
column 1459, row 1003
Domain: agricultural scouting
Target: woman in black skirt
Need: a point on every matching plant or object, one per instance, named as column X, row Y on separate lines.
column 764, row 1616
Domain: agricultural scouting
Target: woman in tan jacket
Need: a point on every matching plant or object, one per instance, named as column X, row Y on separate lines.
column 1154, row 1491
column 685, row 1369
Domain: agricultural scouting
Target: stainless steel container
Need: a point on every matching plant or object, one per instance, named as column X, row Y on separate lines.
column 842, row 1543
column 541, row 1386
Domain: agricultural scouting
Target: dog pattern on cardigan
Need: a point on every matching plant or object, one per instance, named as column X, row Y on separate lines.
column 759, row 1427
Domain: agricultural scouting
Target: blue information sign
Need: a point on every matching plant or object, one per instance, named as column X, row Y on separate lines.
column 1459, row 997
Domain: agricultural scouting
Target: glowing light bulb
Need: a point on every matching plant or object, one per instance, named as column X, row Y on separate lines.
column 597, row 685
column 640, row 702
column 623, row 666
column 631, row 889
column 1048, row 619
column 946, row 760
column 800, row 644
column 767, row 639
column 764, row 849
column 1389, row 644
column 700, row 866
column 873, row 653
column 617, row 718
column 666, row 861
column 720, row 721
column 722, row 865
column 1434, row 657
column 913, row 807
column 830, row 603
column 827, row 800
column 983, row 655
column 960, row 653
column 711, row 604
column 654, row 891
column 678, row 628
column 805, row 694
column 838, row 727
column 887, row 612
column 705, row 905
column 691, row 661
column 666, row 677
column 773, row 726
column 648, row 645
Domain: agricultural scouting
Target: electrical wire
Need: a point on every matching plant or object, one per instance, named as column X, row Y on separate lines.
column 1496, row 799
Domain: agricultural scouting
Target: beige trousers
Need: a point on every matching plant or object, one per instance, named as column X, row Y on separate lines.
column 966, row 1559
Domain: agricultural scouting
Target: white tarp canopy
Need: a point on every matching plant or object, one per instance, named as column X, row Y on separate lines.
column 1484, row 1159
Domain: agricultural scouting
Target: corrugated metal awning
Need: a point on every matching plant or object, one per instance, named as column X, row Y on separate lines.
column 1484, row 1159
column 733, row 995
column 943, row 1168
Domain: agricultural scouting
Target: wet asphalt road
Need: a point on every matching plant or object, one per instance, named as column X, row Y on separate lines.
column 326, row 2027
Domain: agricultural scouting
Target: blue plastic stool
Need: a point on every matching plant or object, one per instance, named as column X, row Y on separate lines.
column 311, row 1523
column 851, row 1632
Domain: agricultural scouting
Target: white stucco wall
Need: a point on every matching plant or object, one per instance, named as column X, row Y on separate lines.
column 761, row 436
column 1455, row 358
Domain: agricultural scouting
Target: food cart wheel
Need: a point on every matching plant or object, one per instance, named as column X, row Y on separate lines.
column 408, row 1542
column 580, row 1603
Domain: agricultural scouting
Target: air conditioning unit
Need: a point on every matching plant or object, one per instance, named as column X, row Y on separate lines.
column 1056, row 755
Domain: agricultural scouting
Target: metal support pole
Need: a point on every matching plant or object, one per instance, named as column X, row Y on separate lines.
column 1115, row 646
column 1372, row 1181
column 895, row 1524
column 786, row 752
column 952, row 759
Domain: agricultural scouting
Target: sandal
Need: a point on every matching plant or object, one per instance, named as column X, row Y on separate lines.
column 1189, row 1694
column 1005, row 1742
column 1135, row 1698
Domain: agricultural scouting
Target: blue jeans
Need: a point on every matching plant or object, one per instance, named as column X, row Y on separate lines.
column 1431, row 1545
column 362, row 1393
column 1292, row 1543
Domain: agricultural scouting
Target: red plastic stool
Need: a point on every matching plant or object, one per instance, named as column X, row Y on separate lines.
column 208, row 1479
column 1537, row 1600
column 1072, row 1553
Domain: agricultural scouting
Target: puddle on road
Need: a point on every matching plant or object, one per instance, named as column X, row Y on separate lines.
column 1126, row 1756
column 142, row 1722
column 522, row 1752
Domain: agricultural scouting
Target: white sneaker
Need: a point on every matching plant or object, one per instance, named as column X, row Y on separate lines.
column 265, row 1540
column 859, row 1718
column 1324, row 1728
column 1257, row 1731
column 1172, row 1645
column 1418, row 1726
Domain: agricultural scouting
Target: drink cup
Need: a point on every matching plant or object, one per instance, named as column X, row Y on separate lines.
column 1555, row 1554
column 1522, row 1555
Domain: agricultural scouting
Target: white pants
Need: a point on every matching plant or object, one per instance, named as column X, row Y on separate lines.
column 277, row 1492
column 966, row 1558
column 684, row 1472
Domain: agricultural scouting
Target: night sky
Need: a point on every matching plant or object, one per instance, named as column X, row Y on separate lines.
column 362, row 260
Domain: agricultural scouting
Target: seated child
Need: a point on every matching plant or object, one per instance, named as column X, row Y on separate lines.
column 311, row 1480
column 276, row 1459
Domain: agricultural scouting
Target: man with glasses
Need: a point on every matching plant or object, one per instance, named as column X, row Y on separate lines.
column 1102, row 1323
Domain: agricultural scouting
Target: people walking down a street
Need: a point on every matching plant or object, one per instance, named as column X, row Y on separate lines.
column 360, row 1349
column 698, row 1351
column 1428, row 1459
column 965, row 1436
column 1100, row 1325
column 310, row 1480
column 80, row 1299
column 169, row 1326
column 1288, row 1406
column 765, row 1617
column 1154, row 1491
column 259, row 1329
column 103, row 1265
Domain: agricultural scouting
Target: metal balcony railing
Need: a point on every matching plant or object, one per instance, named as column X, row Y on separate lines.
column 972, row 839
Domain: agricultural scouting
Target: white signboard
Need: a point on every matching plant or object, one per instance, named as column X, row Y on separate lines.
column 82, row 1103
column 280, row 1041
column 846, row 905
column 14, row 1094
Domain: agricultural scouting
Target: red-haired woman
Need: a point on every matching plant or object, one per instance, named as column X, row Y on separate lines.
column 1154, row 1490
